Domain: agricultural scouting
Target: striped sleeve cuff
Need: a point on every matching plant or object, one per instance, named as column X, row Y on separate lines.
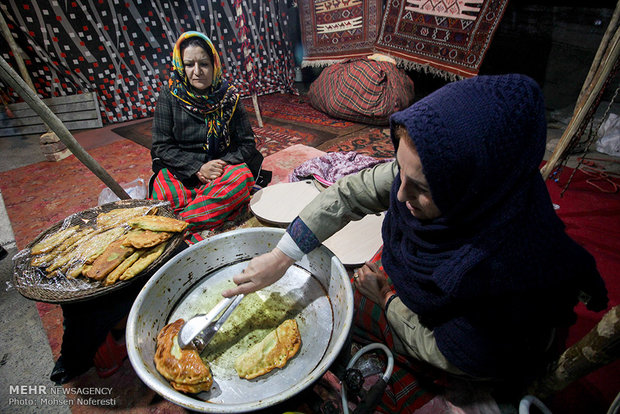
column 303, row 237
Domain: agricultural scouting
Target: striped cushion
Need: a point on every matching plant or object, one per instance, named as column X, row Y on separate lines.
column 362, row 90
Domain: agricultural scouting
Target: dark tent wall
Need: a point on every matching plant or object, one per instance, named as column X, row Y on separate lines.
column 121, row 49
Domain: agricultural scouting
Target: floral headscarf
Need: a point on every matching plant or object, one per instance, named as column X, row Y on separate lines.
column 218, row 103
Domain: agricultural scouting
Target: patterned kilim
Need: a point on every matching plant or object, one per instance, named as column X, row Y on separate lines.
column 333, row 30
column 445, row 37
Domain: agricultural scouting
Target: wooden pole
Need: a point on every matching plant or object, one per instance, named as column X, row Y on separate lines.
column 6, row 32
column 599, row 347
column 607, row 64
column 259, row 118
column 611, row 28
column 248, row 64
column 8, row 75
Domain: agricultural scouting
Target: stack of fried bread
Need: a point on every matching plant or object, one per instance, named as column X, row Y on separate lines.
column 121, row 244
column 183, row 368
column 272, row 352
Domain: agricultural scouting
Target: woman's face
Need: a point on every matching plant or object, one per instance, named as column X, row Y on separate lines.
column 198, row 67
column 413, row 190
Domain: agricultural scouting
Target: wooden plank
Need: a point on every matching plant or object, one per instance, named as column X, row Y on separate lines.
column 76, row 112
column 59, row 100
column 35, row 120
column 358, row 241
column 58, row 109
column 280, row 203
column 38, row 129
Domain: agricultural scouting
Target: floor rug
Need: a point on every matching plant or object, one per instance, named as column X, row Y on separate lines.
column 334, row 30
column 448, row 38
column 592, row 218
column 38, row 195
column 297, row 109
column 371, row 141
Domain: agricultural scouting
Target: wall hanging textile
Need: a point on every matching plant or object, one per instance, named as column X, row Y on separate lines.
column 332, row 30
column 448, row 38
column 122, row 50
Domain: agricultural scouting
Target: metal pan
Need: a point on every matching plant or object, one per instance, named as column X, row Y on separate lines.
column 315, row 291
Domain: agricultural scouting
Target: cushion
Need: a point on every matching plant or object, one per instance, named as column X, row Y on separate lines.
column 362, row 90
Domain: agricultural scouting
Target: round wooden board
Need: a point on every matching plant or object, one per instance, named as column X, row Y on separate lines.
column 358, row 241
column 279, row 204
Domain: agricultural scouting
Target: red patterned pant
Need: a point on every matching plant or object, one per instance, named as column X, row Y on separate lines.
column 208, row 206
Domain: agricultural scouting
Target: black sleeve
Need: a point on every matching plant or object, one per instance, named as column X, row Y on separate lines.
column 166, row 150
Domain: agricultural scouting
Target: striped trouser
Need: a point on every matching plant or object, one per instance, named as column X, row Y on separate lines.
column 208, row 206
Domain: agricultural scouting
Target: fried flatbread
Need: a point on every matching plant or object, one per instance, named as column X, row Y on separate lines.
column 98, row 243
column 272, row 352
column 119, row 216
column 111, row 257
column 183, row 368
column 113, row 276
column 142, row 263
column 51, row 241
column 143, row 239
column 158, row 223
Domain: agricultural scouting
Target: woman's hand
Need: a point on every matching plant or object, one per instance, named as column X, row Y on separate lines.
column 211, row 170
column 372, row 282
column 261, row 271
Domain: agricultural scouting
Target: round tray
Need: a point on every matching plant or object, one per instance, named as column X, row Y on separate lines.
column 31, row 282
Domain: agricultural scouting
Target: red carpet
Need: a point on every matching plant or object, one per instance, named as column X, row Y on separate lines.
column 38, row 195
column 592, row 218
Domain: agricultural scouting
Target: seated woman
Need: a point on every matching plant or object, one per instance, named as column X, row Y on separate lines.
column 481, row 272
column 204, row 155
column 205, row 160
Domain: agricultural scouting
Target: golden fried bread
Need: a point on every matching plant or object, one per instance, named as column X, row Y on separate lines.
column 111, row 257
column 272, row 352
column 98, row 243
column 115, row 274
column 145, row 259
column 158, row 223
column 119, row 216
column 50, row 242
column 183, row 368
column 102, row 250
column 143, row 239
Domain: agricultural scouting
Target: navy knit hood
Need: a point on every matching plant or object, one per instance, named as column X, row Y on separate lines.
column 498, row 244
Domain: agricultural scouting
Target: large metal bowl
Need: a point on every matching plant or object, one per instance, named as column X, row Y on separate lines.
column 317, row 289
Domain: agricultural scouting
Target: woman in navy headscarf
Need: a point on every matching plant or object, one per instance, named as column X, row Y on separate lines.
column 481, row 272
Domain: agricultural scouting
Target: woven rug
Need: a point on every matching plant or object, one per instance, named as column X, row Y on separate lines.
column 371, row 141
column 297, row 108
column 445, row 37
column 333, row 30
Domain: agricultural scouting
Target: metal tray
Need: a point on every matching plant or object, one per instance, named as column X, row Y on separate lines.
column 297, row 295
column 316, row 291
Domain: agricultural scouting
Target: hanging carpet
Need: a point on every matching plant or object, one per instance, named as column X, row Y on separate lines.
column 448, row 38
column 333, row 30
